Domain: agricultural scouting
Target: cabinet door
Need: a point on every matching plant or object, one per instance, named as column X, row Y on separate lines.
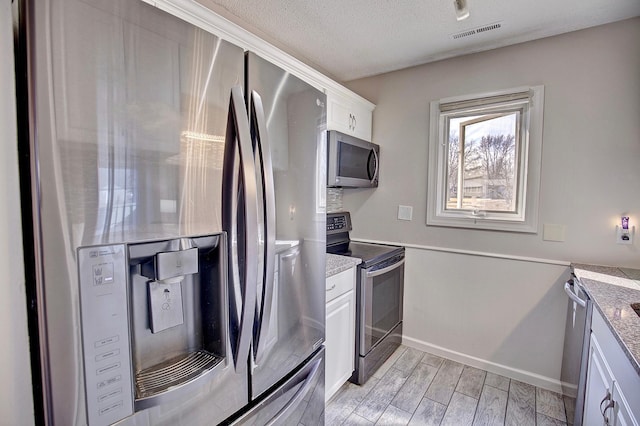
column 340, row 342
column 349, row 117
column 622, row 415
column 598, row 390
column 362, row 119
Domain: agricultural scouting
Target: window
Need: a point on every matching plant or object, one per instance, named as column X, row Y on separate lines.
column 484, row 160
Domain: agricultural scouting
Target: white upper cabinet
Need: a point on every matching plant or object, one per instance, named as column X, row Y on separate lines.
column 350, row 115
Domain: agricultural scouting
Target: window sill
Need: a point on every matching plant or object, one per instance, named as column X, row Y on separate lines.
column 483, row 224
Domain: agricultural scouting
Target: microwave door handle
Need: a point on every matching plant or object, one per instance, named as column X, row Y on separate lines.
column 264, row 155
column 238, row 131
column 375, row 172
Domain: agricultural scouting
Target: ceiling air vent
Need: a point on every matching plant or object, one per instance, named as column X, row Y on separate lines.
column 475, row 31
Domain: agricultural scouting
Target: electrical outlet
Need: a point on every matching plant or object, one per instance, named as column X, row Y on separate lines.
column 625, row 236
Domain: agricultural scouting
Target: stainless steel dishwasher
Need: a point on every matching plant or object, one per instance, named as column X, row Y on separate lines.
column 576, row 348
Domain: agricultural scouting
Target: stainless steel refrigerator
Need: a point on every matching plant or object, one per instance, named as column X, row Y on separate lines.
column 177, row 189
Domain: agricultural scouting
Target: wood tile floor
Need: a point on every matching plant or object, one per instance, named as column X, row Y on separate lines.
column 418, row 388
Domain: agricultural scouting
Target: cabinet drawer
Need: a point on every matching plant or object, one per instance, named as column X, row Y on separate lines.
column 340, row 283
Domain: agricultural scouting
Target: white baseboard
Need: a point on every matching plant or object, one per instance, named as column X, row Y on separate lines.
column 503, row 370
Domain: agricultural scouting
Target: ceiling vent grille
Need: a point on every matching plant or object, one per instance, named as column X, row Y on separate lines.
column 475, row 31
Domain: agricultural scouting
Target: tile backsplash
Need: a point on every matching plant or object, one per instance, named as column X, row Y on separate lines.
column 334, row 200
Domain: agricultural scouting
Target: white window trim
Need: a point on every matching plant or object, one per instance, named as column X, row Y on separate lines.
column 529, row 180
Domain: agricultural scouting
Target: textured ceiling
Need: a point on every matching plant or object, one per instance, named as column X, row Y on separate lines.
column 350, row 39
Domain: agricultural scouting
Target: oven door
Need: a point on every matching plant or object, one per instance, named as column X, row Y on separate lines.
column 381, row 292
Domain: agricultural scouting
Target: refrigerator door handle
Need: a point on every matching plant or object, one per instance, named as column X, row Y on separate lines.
column 263, row 154
column 239, row 184
column 298, row 397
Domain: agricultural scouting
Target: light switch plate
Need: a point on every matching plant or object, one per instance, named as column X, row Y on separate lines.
column 553, row 232
column 405, row 212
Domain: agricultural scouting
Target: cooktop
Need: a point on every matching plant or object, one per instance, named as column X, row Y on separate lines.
column 338, row 242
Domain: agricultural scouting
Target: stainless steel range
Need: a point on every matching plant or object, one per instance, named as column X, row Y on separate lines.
column 379, row 295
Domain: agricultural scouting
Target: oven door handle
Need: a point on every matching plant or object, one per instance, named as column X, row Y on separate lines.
column 383, row 270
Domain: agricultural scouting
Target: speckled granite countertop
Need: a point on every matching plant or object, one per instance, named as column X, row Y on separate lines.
column 337, row 264
column 612, row 291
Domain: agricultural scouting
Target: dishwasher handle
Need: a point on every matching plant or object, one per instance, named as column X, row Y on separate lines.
column 569, row 290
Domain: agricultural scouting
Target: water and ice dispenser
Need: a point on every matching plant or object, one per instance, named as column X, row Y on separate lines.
column 154, row 321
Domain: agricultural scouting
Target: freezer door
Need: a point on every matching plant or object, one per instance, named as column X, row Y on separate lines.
column 288, row 126
column 129, row 122
column 299, row 400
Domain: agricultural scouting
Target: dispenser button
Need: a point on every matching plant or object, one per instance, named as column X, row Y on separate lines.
column 105, row 341
column 108, row 368
column 110, row 408
column 109, row 381
column 110, row 394
column 107, row 355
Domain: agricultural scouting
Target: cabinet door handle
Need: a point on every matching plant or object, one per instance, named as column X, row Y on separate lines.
column 355, row 122
column 332, row 287
column 606, row 398
column 611, row 404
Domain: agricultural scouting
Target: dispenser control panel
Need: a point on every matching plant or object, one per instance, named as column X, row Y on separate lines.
column 105, row 333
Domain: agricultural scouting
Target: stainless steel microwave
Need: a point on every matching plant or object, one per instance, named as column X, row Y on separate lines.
column 352, row 162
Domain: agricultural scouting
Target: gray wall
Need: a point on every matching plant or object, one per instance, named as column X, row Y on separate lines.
column 16, row 404
column 498, row 307
column 591, row 145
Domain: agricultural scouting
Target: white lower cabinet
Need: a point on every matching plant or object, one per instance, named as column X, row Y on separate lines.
column 598, row 391
column 622, row 411
column 340, row 330
column 613, row 386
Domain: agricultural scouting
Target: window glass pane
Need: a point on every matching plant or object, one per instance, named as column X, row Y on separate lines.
column 482, row 162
